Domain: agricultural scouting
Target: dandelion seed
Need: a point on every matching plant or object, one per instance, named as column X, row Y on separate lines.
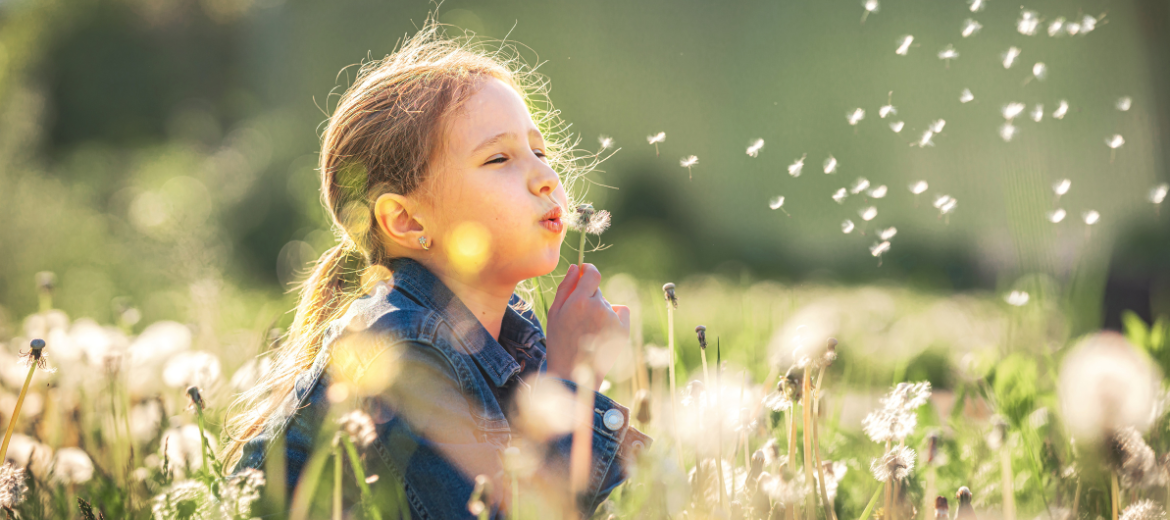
column 943, row 202
column 606, row 141
column 1057, row 215
column 1061, row 110
column 855, row 116
column 977, row 5
column 949, row 207
column 1056, row 28
column 927, row 139
column 919, row 187
column 1007, row 132
column 1088, row 23
column 878, row 248
column 1073, row 28
column 1158, row 193
column 1011, row 110
column 970, row 27
column 1123, row 104
column 868, row 213
column 847, row 226
column 888, row 108
column 1061, row 187
column 1017, row 298
column 585, row 220
column 904, row 45
column 859, row 185
column 896, row 464
column 1091, row 217
column 1143, row 510
column 937, row 125
column 871, row 6
column 753, row 149
column 360, row 428
column 896, row 126
column 1027, row 23
column 966, row 96
column 1133, row 460
column 655, row 139
column 879, row 192
column 1115, row 142
column 840, row 195
column 831, row 165
column 1009, row 57
column 778, row 203
column 948, row 53
column 1039, row 71
column 1038, row 112
column 797, row 166
column 687, row 162
column 888, row 233
column 12, row 486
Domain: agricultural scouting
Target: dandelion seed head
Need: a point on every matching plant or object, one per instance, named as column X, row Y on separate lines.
column 754, row 148
column 192, row 368
column 606, row 141
column 896, row 464
column 878, row 248
column 1091, row 217
column 688, row 161
column 948, row 53
column 1057, row 215
column 1133, row 460
column 919, row 187
column 72, row 466
column 1040, row 71
column 1017, row 298
column 776, row 202
column 669, row 294
column 1009, row 57
column 1061, row 187
column 868, row 213
column 360, row 428
column 887, row 110
column 896, row 126
column 904, row 45
column 1115, row 141
column 831, row 165
column 840, row 195
column 937, row 125
column 847, row 226
column 1158, row 193
column 1061, row 110
column 1105, row 384
column 1143, row 510
column 656, row 138
column 970, row 27
column 1011, row 110
column 1007, row 132
column 1124, row 103
column 1027, row 23
column 855, row 116
column 859, row 185
column 966, row 96
column 977, row 5
column 797, row 166
column 1037, row 112
column 12, row 486
column 879, row 192
column 1056, row 28
column 887, row 233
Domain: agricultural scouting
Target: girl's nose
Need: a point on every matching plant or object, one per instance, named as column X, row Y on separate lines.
column 543, row 179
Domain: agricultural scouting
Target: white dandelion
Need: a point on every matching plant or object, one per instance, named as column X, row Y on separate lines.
column 970, row 27
column 1057, row 215
column 966, row 96
column 871, row 6
column 879, row 192
column 606, row 141
column 797, row 166
column 847, row 226
column 1009, row 57
column 855, row 116
column 896, row 126
column 1027, row 23
column 840, row 195
column 655, row 139
column 1013, row 109
column 1091, row 217
column 1056, row 28
column 859, row 185
column 947, row 54
column 904, row 45
column 687, row 162
column 1061, row 187
column 1017, row 298
column 887, row 233
column 1061, row 109
column 753, row 149
column 1124, row 103
column 977, row 5
column 1037, row 112
column 831, row 164
column 1007, row 132
column 919, row 187
column 868, row 213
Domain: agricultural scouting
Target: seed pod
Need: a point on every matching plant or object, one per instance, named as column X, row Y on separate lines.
column 702, row 333
column 668, row 292
column 196, row 396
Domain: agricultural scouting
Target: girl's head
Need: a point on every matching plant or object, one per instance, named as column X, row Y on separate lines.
column 446, row 141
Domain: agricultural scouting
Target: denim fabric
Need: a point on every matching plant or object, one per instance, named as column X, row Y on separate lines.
column 443, row 389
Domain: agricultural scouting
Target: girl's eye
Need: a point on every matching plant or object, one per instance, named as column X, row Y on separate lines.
column 497, row 160
column 539, row 152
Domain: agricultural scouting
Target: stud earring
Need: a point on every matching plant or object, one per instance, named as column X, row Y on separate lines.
column 422, row 241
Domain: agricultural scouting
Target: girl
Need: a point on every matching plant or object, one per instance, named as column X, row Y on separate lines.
column 446, row 192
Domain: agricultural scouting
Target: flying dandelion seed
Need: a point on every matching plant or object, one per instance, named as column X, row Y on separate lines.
column 1115, row 142
column 606, row 141
column 867, row 214
column 778, row 203
column 1073, row 28
column 754, row 148
column 797, row 166
column 859, row 185
column 927, row 139
column 947, row 54
column 1091, row 217
column 1061, row 187
column 1123, row 104
column 1056, row 28
column 1057, row 215
column 966, row 96
column 888, row 108
column 655, row 139
column 855, row 116
column 1037, row 112
column 1039, row 71
column 1007, row 132
column 1017, row 298
column 918, row 188
column 1061, row 110
column 977, row 5
column 847, row 226
column 888, row 233
column 970, row 27
column 831, row 165
column 879, row 192
column 1009, row 57
column 871, row 6
column 1027, row 23
column 1011, row 110
column 904, row 45
column 840, row 195
column 941, row 201
column 937, row 125
column 687, row 162
column 1158, row 193
column 878, row 248
column 896, row 126
column 1088, row 23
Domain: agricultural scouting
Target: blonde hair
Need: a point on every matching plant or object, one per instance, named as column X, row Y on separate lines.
column 383, row 136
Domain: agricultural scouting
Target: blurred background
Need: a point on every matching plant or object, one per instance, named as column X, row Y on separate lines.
column 160, row 154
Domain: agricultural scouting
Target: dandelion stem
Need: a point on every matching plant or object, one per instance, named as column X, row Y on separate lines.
column 830, row 514
column 371, row 511
column 673, row 398
column 719, row 440
column 1009, row 500
column 791, row 513
column 16, row 413
column 203, row 447
column 806, row 421
column 581, row 251
column 337, row 477
column 1116, row 494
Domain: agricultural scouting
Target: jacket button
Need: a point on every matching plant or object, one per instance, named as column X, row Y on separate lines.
column 613, row 419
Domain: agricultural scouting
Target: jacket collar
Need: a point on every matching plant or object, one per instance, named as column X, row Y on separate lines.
column 520, row 332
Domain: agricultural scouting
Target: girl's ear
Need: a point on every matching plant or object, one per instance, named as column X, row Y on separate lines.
column 398, row 218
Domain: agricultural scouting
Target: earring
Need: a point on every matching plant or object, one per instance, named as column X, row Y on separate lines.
column 422, row 241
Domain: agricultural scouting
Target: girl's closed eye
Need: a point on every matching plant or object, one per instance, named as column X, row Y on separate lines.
column 500, row 160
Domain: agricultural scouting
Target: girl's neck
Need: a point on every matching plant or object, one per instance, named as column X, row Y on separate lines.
column 487, row 302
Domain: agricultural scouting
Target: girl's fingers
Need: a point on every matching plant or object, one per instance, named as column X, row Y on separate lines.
column 565, row 288
column 588, row 284
column 623, row 313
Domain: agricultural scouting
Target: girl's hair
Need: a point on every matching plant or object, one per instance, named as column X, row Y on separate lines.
column 383, row 137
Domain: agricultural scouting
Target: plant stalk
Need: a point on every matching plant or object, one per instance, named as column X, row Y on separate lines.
column 806, row 418
column 16, row 412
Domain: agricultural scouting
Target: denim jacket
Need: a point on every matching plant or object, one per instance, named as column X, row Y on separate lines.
column 444, row 416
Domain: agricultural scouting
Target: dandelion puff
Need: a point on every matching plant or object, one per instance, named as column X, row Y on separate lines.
column 606, row 141
column 1007, row 132
column 970, row 27
column 1105, row 384
column 1061, row 110
column 868, row 213
column 1011, row 110
column 1091, row 217
column 1057, row 215
column 879, row 192
column 859, row 185
column 887, row 233
column 1061, row 187
column 1017, row 298
column 12, row 486
column 896, row 126
column 855, row 116
column 797, row 166
column 1009, row 57
column 778, row 203
column 1124, row 103
column 831, row 165
column 655, row 139
column 947, row 54
column 896, row 464
column 1038, row 112
column 904, row 45
column 840, row 195
column 966, row 96
column 977, row 5
column 687, row 162
column 360, row 428
column 1027, row 23
column 1143, row 510
column 871, row 6
column 1056, row 28
column 847, row 226
column 1158, row 193
column 919, row 187
column 72, row 466
column 1133, row 460
column 754, row 148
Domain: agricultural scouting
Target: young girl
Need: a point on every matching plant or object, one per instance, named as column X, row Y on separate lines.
column 446, row 193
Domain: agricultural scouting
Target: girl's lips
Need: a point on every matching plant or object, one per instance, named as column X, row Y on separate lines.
column 555, row 225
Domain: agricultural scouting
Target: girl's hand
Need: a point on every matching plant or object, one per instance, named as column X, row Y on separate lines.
column 580, row 320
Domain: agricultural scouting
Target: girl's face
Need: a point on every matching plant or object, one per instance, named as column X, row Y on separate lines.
column 497, row 205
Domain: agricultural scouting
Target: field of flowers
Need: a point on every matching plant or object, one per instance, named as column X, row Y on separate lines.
column 808, row 401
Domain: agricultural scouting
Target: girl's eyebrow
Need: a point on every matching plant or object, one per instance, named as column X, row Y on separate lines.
column 500, row 136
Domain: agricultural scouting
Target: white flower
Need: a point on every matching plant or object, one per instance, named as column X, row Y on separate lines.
column 1124, row 103
column 1061, row 110
column 1009, row 57
column 1017, row 298
column 831, row 165
column 871, row 5
column 754, row 148
column 1158, row 193
column 878, row 248
column 879, row 192
column 888, row 233
column 896, row 126
column 840, row 195
column 855, row 116
column 1091, row 217
column 797, row 166
column 1073, row 28
column 944, row 204
column 966, row 96
column 1027, row 23
column 1115, row 141
column 904, row 45
column 847, row 226
column 919, row 187
column 970, row 27
column 859, row 185
column 1038, row 112
column 1057, row 215
column 1007, row 132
